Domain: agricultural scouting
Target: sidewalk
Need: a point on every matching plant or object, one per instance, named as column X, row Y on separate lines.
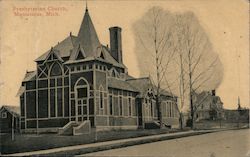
column 100, row 146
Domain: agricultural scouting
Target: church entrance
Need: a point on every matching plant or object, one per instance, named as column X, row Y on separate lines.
column 82, row 102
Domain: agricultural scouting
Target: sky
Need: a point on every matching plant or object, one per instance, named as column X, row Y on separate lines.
column 24, row 38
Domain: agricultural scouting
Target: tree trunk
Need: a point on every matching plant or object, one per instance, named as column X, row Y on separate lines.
column 190, row 90
column 158, row 103
column 181, row 121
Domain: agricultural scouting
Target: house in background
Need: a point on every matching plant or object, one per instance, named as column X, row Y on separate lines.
column 9, row 119
column 80, row 82
column 208, row 106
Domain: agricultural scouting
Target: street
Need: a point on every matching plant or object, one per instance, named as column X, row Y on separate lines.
column 233, row 143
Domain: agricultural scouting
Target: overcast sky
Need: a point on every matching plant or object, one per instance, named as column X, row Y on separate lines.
column 23, row 39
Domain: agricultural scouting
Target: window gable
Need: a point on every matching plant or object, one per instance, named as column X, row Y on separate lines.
column 80, row 56
column 52, row 56
column 102, row 55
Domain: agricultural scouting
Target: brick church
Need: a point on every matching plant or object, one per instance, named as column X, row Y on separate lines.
column 80, row 80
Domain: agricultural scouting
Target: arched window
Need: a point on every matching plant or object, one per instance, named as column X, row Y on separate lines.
column 111, row 105
column 114, row 73
column 120, row 105
column 151, row 108
column 56, row 90
column 81, row 88
column 129, row 107
column 56, row 70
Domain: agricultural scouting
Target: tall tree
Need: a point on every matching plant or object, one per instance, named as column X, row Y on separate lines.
column 200, row 66
column 153, row 35
column 176, row 51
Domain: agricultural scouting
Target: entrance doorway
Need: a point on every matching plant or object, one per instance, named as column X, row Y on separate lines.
column 82, row 100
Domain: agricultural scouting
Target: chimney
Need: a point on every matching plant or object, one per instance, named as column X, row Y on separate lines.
column 213, row 92
column 116, row 43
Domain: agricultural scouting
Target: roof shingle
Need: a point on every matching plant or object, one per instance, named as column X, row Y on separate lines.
column 120, row 84
column 30, row 75
column 64, row 48
column 144, row 84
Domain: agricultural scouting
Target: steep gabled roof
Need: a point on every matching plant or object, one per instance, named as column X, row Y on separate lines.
column 29, row 76
column 64, row 47
column 120, row 84
column 55, row 54
column 14, row 110
column 110, row 59
column 88, row 42
column 144, row 84
column 141, row 84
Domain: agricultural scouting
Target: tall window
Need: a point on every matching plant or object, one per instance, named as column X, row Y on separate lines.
column 101, row 100
column 56, row 84
column 151, row 107
column 111, row 105
column 120, row 103
column 171, row 114
column 168, row 109
column 129, row 107
column 113, row 73
column 101, row 97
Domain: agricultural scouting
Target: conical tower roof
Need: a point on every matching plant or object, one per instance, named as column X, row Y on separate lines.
column 87, row 36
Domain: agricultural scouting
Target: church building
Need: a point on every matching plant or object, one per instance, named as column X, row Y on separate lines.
column 80, row 80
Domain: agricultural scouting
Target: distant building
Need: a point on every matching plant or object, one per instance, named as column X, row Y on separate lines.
column 237, row 115
column 9, row 118
column 79, row 79
column 208, row 106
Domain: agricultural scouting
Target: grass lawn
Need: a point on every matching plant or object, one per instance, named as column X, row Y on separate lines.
column 32, row 142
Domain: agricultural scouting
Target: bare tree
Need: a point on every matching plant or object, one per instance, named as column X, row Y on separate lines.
column 200, row 67
column 152, row 32
column 176, row 51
